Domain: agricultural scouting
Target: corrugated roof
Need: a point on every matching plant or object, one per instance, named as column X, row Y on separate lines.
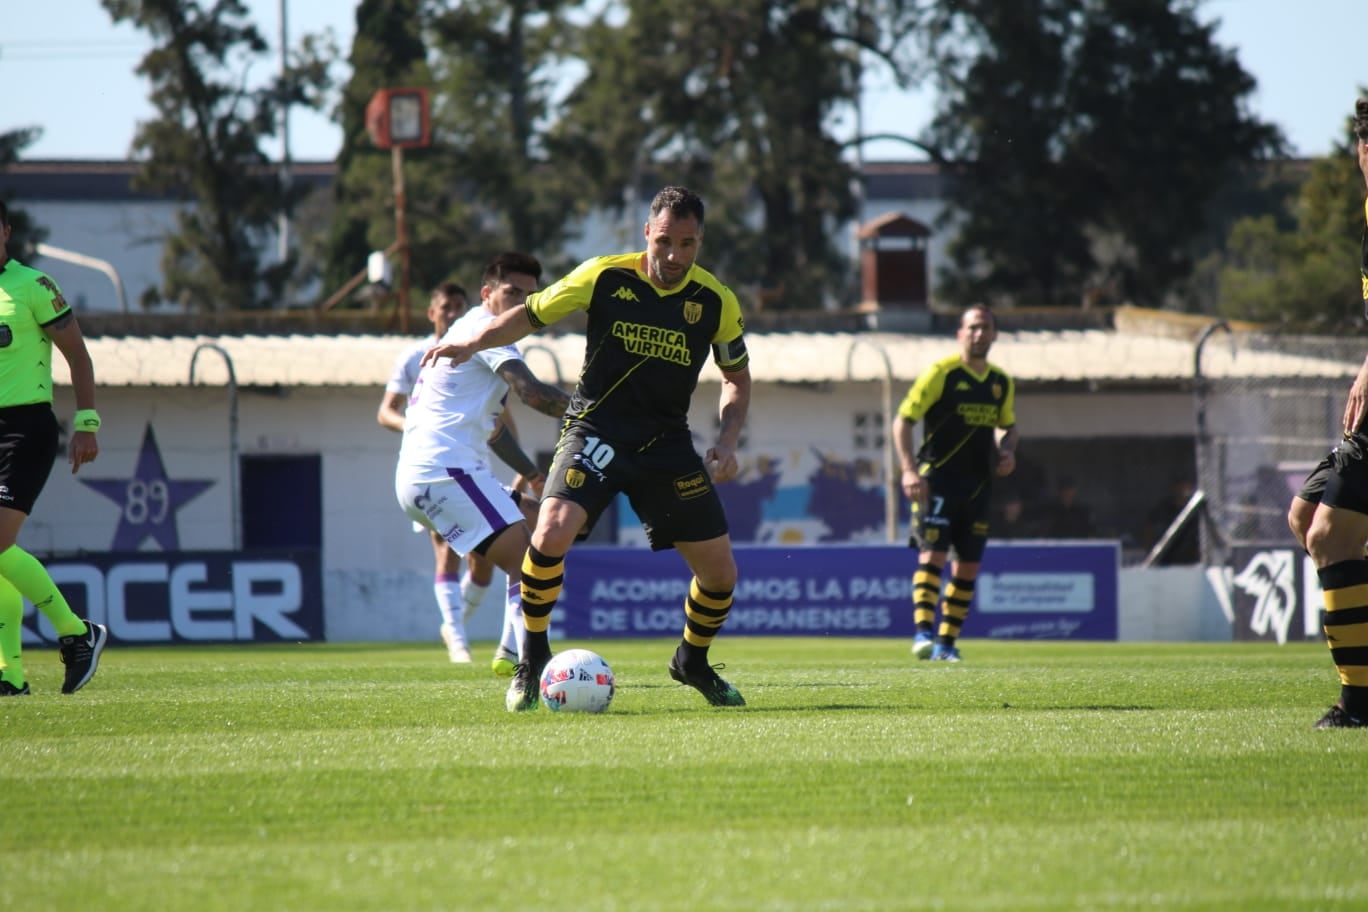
column 1032, row 357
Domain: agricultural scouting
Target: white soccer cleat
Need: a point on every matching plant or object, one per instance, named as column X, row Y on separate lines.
column 457, row 650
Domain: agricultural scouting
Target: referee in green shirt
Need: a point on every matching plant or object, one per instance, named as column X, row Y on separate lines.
column 33, row 317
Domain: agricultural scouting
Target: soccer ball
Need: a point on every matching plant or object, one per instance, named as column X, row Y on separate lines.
column 577, row 680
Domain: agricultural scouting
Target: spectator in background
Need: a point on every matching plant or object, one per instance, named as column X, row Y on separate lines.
column 1011, row 518
column 1186, row 547
column 1065, row 516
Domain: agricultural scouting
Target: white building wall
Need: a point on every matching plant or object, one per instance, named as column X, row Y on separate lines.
column 377, row 571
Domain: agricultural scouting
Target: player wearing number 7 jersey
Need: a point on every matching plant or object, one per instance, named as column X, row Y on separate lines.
column 969, row 409
column 654, row 315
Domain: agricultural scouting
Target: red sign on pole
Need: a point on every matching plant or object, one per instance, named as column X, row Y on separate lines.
column 398, row 118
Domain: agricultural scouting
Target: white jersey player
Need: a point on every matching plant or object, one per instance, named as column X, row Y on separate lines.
column 444, row 479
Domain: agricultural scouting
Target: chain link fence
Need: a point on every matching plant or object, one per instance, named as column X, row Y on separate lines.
column 1262, row 425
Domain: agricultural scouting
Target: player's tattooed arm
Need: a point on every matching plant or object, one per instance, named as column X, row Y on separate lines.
column 542, row 397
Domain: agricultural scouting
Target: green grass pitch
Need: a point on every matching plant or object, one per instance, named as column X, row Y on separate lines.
column 1036, row 775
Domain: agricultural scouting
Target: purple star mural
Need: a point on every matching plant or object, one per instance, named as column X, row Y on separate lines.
column 148, row 501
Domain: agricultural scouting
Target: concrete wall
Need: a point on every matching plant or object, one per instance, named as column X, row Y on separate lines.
column 377, row 571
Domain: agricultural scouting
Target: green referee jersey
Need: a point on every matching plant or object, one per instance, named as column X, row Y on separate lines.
column 962, row 410
column 29, row 300
column 644, row 346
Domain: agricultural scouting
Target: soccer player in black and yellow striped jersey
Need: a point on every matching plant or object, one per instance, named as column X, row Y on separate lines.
column 654, row 316
column 969, row 411
column 33, row 318
column 1339, row 526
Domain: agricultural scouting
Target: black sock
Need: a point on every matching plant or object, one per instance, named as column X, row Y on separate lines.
column 1354, row 700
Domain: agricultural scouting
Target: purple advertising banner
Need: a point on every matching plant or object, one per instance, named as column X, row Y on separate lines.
column 190, row 596
column 1026, row 590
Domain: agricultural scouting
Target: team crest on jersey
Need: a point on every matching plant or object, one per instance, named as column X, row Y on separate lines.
column 693, row 311
column 997, row 390
column 58, row 302
column 574, row 478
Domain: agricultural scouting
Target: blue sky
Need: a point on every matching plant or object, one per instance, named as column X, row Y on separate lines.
column 66, row 68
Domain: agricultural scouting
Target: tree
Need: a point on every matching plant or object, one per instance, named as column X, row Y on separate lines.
column 204, row 147
column 497, row 71
column 1086, row 139
column 387, row 51
column 25, row 235
column 1302, row 276
column 743, row 99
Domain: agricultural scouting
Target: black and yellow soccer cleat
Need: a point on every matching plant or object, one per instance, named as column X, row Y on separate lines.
column 705, row 680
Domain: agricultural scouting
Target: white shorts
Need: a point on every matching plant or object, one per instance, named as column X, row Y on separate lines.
column 465, row 508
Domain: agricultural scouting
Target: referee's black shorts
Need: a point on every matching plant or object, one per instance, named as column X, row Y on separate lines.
column 28, row 447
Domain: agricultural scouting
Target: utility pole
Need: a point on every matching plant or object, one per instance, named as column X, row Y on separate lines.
column 283, row 252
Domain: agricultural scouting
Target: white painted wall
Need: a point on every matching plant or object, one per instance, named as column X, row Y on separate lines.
column 377, row 571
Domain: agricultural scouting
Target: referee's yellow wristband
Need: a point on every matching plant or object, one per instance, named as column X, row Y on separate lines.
column 87, row 420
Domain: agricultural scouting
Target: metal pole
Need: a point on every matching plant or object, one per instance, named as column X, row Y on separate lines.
column 90, row 262
column 235, row 508
column 890, row 480
column 401, row 237
column 283, row 252
column 1203, row 442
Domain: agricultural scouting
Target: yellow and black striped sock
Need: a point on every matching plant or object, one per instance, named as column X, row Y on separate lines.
column 926, row 586
column 704, row 614
column 542, row 579
column 958, row 595
column 1345, row 587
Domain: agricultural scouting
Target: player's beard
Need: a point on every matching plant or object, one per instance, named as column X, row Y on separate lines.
column 657, row 270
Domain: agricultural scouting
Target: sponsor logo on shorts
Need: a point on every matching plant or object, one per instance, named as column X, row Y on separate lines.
column 691, row 485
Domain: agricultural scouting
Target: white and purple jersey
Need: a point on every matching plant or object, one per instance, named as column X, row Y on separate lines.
column 452, row 411
column 405, row 373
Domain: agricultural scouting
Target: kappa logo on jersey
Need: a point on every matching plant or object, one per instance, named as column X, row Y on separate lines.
column 963, row 386
column 693, row 311
column 625, row 294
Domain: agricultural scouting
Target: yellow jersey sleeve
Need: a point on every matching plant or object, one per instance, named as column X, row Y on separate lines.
column 925, row 392
column 566, row 295
column 1007, row 414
